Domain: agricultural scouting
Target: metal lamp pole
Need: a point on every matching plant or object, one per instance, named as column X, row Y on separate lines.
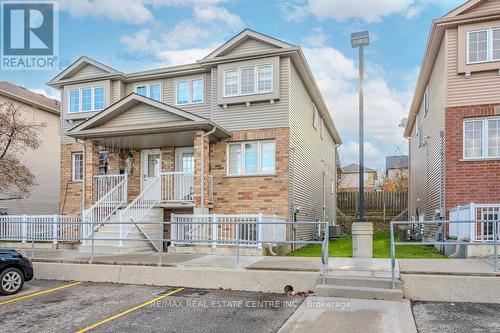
column 359, row 40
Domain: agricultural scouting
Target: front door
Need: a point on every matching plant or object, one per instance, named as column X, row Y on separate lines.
column 150, row 167
column 184, row 162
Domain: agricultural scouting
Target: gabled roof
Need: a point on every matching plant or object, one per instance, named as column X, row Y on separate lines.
column 79, row 64
column 241, row 38
column 354, row 168
column 434, row 41
column 128, row 102
column 395, row 162
column 29, row 97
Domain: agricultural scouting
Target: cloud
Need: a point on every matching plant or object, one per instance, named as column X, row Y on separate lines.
column 317, row 39
column 213, row 13
column 364, row 10
column 349, row 153
column 129, row 11
column 47, row 92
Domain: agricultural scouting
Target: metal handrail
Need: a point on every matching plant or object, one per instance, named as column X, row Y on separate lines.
column 428, row 243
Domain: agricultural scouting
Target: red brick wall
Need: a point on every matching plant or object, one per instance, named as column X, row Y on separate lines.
column 71, row 191
column 468, row 181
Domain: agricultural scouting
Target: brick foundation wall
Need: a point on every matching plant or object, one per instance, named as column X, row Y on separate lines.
column 468, row 181
column 251, row 194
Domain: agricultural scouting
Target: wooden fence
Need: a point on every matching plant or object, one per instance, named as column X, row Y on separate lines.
column 390, row 203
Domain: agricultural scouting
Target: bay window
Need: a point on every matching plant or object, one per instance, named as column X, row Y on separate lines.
column 481, row 138
column 86, row 99
column 190, row 91
column 252, row 158
column 248, row 80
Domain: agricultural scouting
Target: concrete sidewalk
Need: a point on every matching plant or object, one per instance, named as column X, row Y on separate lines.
column 329, row 314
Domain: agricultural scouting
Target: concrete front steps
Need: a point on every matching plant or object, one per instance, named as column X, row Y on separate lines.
column 363, row 287
column 112, row 231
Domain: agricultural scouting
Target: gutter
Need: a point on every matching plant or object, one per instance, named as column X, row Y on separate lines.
column 212, row 131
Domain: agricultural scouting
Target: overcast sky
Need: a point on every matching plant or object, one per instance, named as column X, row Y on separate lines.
column 132, row 35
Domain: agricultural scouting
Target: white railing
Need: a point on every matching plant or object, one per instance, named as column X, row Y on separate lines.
column 139, row 208
column 105, row 183
column 480, row 231
column 104, row 208
column 177, row 187
column 39, row 227
column 248, row 229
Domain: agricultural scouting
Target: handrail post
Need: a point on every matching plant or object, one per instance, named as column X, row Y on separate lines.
column 54, row 230
column 326, row 251
column 24, row 229
column 238, row 244
column 393, row 257
column 173, row 229
column 160, row 250
column 495, row 252
column 120, row 230
column 260, row 229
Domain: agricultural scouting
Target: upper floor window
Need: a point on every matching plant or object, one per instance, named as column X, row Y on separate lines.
column 86, row 99
column 248, row 80
column 483, row 45
column 251, row 158
column 191, row 91
column 482, row 138
column 151, row 90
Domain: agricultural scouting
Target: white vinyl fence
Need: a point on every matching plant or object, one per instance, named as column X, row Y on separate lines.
column 223, row 229
column 39, row 227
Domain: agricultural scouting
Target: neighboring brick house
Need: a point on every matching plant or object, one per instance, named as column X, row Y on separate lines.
column 349, row 179
column 243, row 130
column 454, row 121
column 42, row 162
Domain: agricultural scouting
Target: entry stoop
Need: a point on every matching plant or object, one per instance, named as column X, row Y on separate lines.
column 363, row 287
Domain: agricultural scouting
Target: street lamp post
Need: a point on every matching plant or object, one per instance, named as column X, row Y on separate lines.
column 362, row 232
column 360, row 40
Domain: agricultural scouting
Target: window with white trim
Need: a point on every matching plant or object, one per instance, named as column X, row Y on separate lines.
column 251, row 158
column 481, row 138
column 77, row 166
column 315, row 116
column 150, row 90
column 86, row 99
column 191, row 91
column 248, row 80
column 483, row 45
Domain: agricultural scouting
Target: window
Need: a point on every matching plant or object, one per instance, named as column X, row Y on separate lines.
column 251, row 158
column 231, row 82
column 86, row 99
column 98, row 98
column 74, row 100
column 483, row 45
column 482, row 138
column 315, row 117
column 198, row 91
column 248, row 80
column 142, row 90
column 190, row 91
column 265, row 78
column 183, row 92
column 426, row 100
column 154, row 91
column 103, row 162
column 77, row 170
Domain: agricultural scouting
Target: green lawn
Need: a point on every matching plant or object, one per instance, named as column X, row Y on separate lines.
column 342, row 247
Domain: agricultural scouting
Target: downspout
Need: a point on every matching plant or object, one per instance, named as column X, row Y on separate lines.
column 212, row 131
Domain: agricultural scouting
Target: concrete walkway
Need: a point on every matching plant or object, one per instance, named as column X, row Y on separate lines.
column 329, row 314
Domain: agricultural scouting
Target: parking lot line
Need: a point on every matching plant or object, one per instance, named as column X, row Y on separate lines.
column 137, row 307
column 40, row 293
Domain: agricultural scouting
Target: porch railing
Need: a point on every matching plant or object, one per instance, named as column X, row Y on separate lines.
column 211, row 229
column 138, row 209
column 48, row 228
column 104, row 208
column 102, row 184
column 177, row 187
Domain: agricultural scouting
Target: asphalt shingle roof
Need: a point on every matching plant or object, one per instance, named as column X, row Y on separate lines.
column 28, row 96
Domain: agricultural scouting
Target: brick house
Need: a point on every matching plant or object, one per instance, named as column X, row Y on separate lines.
column 454, row 121
column 243, row 130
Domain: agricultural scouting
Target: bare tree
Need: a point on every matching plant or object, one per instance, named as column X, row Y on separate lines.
column 17, row 136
